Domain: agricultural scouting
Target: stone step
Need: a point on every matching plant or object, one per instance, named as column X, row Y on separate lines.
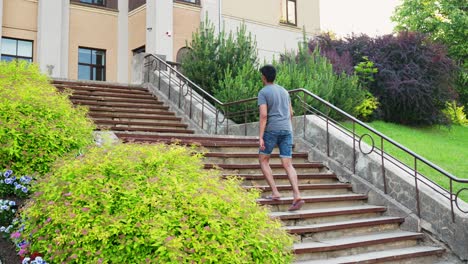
column 348, row 246
column 143, row 129
column 248, row 158
column 275, row 168
column 331, row 230
column 409, row 255
column 89, row 99
column 322, row 215
column 113, row 94
column 123, row 103
column 315, row 201
column 251, row 179
column 133, row 117
column 134, row 109
column 307, row 189
column 97, row 86
column 135, row 124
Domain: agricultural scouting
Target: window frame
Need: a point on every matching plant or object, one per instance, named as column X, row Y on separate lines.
column 189, row 2
column 16, row 57
column 94, row 3
column 285, row 20
column 97, row 66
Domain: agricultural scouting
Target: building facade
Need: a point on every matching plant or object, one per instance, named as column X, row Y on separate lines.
column 96, row 39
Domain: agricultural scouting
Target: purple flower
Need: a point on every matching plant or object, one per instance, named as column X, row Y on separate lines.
column 8, row 173
column 15, row 235
column 12, row 203
column 18, row 186
column 25, row 179
column 24, row 189
column 9, row 180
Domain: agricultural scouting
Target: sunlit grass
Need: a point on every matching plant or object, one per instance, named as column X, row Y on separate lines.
column 445, row 147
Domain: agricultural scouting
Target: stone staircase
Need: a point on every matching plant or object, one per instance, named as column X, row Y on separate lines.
column 335, row 225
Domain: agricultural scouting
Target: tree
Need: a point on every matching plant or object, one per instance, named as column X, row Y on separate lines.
column 445, row 21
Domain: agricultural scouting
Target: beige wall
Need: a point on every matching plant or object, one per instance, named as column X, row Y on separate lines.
column 20, row 21
column 93, row 28
column 186, row 21
column 269, row 12
column 136, row 33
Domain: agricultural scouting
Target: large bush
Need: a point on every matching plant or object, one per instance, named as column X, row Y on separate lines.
column 212, row 55
column 411, row 76
column 148, row 204
column 414, row 80
column 315, row 73
column 37, row 123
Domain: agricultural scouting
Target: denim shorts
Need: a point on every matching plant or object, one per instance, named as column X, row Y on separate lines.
column 282, row 138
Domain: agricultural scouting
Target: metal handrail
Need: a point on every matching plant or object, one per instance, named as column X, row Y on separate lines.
column 329, row 121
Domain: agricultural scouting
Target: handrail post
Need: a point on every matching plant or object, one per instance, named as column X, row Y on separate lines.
column 304, row 115
column 169, row 88
column 216, row 121
column 354, row 147
column 202, row 112
column 416, row 185
column 383, row 166
column 245, row 119
column 452, row 200
column 328, row 140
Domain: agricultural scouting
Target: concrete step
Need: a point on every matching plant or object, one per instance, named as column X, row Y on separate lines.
column 248, row 158
column 348, row 246
column 323, row 215
column 97, row 86
column 143, row 129
column 332, row 230
column 134, row 109
column 135, row 124
column 308, row 189
column 310, row 178
column 116, row 93
column 276, row 168
column 409, row 255
column 122, row 103
column 92, row 99
column 133, row 117
column 315, row 201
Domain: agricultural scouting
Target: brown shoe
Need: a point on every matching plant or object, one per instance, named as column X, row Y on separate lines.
column 296, row 205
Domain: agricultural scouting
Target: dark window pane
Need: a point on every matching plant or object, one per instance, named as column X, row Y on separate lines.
column 86, row 1
column 84, row 72
column 24, row 48
column 100, row 2
column 98, row 57
column 99, row 74
column 7, row 58
column 9, row 46
column 84, row 56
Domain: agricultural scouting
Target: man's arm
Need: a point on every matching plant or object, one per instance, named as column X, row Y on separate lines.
column 263, row 122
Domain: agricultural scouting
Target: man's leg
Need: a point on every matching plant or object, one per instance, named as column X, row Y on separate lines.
column 292, row 176
column 266, row 169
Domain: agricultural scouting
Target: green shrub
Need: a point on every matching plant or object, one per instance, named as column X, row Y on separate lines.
column 148, row 204
column 315, row 73
column 37, row 123
column 455, row 114
column 365, row 110
column 211, row 55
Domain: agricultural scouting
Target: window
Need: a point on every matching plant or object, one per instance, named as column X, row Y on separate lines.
column 139, row 50
column 289, row 12
column 94, row 2
column 16, row 49
column 195, row 2
column 91, row 64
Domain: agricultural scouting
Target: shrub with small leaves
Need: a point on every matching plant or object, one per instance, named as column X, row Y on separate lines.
column 148, row 204
column 7, row 214
column 455, row 113
column 37, row 123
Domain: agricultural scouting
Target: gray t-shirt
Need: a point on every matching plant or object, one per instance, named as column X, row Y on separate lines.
column 277, row 100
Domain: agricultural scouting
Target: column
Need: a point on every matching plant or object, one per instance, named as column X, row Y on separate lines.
column 211, row 10
column 159, row 32
column 122, row 52
column 1, row 22
column 52, row 37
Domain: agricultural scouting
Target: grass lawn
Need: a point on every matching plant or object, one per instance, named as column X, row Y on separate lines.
column 444, row 147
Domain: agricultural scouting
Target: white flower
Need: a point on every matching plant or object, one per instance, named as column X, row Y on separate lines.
column 26, row 261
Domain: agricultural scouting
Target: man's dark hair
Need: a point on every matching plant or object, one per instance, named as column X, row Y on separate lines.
column 269, row 72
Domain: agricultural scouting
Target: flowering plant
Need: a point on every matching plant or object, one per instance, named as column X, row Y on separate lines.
column 7, row 213
column 12, row 185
